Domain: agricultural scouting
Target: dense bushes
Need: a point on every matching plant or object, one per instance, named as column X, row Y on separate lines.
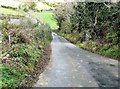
column 93, row 23
column 22, row 47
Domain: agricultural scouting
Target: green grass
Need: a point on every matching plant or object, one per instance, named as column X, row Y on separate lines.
column 10, row 11
column 10, row 77
column 26, row 55
column 48, row 18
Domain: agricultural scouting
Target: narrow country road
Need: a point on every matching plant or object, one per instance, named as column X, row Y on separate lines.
column 71, row 66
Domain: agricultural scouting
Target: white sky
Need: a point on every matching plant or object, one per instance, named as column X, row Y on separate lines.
column 54, row 0
column 9, row 2
column 42, row 6
column 16, row 3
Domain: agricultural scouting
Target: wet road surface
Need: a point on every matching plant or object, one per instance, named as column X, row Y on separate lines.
column 71, row 66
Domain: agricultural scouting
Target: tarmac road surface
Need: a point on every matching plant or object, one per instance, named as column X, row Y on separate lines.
column 71, row 66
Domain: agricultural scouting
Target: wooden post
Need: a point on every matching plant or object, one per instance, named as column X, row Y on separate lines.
column 0, row 45
column 9, row 36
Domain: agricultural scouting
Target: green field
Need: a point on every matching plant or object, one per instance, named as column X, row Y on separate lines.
column 48, row 18
column 10, row 12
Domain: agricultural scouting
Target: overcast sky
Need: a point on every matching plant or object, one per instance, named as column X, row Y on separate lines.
column 10, row 1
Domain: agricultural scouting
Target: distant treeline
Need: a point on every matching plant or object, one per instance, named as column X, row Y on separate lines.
column 9, row 7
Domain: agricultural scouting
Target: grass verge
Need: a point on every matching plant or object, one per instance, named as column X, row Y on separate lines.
column 48, row 18
column 21, row 56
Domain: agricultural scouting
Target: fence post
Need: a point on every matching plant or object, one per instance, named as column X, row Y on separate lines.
column 9, row 36
column 1, row 45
